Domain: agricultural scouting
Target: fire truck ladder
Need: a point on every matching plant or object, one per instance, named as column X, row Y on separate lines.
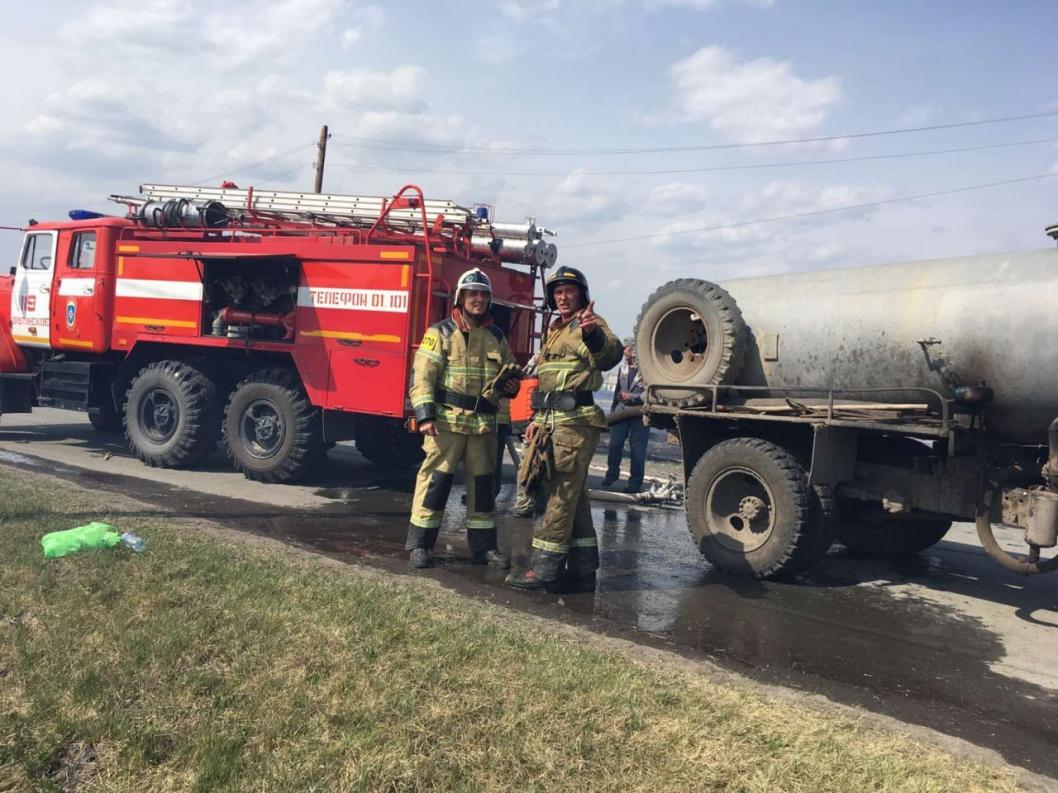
column 522, row 242
column 361, row 211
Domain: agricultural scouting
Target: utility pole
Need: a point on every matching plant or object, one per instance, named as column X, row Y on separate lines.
column 321, row 157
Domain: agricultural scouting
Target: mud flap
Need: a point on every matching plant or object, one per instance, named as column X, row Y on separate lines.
column 16, row 393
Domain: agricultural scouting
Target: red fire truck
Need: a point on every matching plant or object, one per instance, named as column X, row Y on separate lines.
column 272, row 323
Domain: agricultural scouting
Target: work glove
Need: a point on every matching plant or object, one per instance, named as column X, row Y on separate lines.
column 504, row 384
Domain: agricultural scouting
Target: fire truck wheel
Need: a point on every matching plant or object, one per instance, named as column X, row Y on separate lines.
column 387, row 442
column 870, row 530
column 272, row 431
column 750, row 510
column 171, row 415
column 689, row 334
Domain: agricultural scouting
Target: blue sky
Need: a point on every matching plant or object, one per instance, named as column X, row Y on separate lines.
column 102, row 96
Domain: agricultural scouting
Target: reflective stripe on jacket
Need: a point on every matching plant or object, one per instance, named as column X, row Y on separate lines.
column 459, row 359
column 568, row 362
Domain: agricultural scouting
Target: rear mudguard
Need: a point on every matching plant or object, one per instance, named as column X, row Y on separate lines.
column 11, row 357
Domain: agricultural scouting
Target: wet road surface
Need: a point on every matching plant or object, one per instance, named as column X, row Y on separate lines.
column 948, row 640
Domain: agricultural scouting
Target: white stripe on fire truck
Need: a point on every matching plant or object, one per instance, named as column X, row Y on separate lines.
column 390, row 300
column 158, row 290
column 77, row 287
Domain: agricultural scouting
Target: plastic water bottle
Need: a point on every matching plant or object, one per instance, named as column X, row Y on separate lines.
column 132, row 541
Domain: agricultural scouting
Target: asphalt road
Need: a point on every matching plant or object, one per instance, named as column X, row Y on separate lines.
column 948, row 640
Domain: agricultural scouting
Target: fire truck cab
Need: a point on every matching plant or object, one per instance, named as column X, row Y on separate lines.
column 270, row 323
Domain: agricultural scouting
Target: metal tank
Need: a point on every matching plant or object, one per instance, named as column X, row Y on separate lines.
column 937, row 324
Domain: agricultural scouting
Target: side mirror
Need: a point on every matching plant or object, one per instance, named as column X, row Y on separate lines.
column 13, row 270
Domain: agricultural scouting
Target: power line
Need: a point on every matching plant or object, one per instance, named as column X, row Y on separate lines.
column 262, row 161
column 813, row 213
column 369, row 143
column 711, row 169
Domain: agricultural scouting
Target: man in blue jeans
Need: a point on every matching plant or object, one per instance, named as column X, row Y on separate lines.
column 628, row 393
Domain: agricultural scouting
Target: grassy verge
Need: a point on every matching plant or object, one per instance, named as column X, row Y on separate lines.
column 201, row 665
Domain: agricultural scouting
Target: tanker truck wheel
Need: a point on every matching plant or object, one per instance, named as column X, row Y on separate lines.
column 751, row 511
column 689, row 333
column 272, row 432
column 870, row 530
column 172, row 419
column 385, row 441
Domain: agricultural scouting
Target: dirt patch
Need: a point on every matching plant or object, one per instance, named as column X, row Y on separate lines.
column 76, row 765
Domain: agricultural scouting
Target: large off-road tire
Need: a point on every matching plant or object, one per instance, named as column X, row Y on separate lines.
column 870, row 530
column 271, row 430
column 387, row 442
column 689, row 333
column 751, row 511
column 172, row 415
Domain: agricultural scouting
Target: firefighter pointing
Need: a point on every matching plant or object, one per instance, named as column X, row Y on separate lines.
column 563, row 436
column 462, row 368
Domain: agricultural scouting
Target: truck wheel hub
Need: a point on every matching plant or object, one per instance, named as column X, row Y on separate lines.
column 158, row 415
column 738, row 509
column 262, row 430
column 750, row 508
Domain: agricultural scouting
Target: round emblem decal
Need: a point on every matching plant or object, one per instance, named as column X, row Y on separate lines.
column 71, row 314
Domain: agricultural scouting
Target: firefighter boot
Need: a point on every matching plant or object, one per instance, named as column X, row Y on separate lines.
column 572, row 583
column 543, row 572
column 419, row 544
column 526, row 579
column 492, row 558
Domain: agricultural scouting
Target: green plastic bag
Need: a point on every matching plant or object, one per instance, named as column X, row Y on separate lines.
column 92, row 535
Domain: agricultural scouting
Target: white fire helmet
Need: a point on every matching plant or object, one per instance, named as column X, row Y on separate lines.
column 474, row 279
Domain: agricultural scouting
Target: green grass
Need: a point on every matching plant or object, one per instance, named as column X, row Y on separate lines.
column 204, row 665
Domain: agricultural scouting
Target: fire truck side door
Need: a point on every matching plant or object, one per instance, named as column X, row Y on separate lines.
column 31, row 296
column 78, row 305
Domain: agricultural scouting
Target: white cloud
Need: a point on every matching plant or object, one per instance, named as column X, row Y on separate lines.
column 789, row 198
column 676, row 197
column 239, row 35
column 401, row 88
column 521, row 10
column 370, row 19
column 583, row 200
column 129, row 24
column 279, row 30
column 706, row 5
column 44, row 125
column 750, row 101
column 917, row 115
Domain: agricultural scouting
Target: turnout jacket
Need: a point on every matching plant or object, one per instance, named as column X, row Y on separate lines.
column 456, row 358
column 570, row 361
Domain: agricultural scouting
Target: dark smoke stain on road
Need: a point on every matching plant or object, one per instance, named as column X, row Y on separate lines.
column 911, row 659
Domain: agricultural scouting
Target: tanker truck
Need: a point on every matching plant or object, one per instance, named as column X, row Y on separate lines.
column 872, row 405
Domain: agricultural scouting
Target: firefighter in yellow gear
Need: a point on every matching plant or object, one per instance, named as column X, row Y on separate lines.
column 579, row 348
column 455, row 362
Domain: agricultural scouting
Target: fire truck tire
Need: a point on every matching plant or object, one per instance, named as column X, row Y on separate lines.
column 172, row 418
column 869, row 530
column 387, row 442
column 272, row 431
column 690, row 333
column 751, row 511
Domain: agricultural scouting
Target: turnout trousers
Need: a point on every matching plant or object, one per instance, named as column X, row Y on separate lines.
column 434, row 482
column 564, row 539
